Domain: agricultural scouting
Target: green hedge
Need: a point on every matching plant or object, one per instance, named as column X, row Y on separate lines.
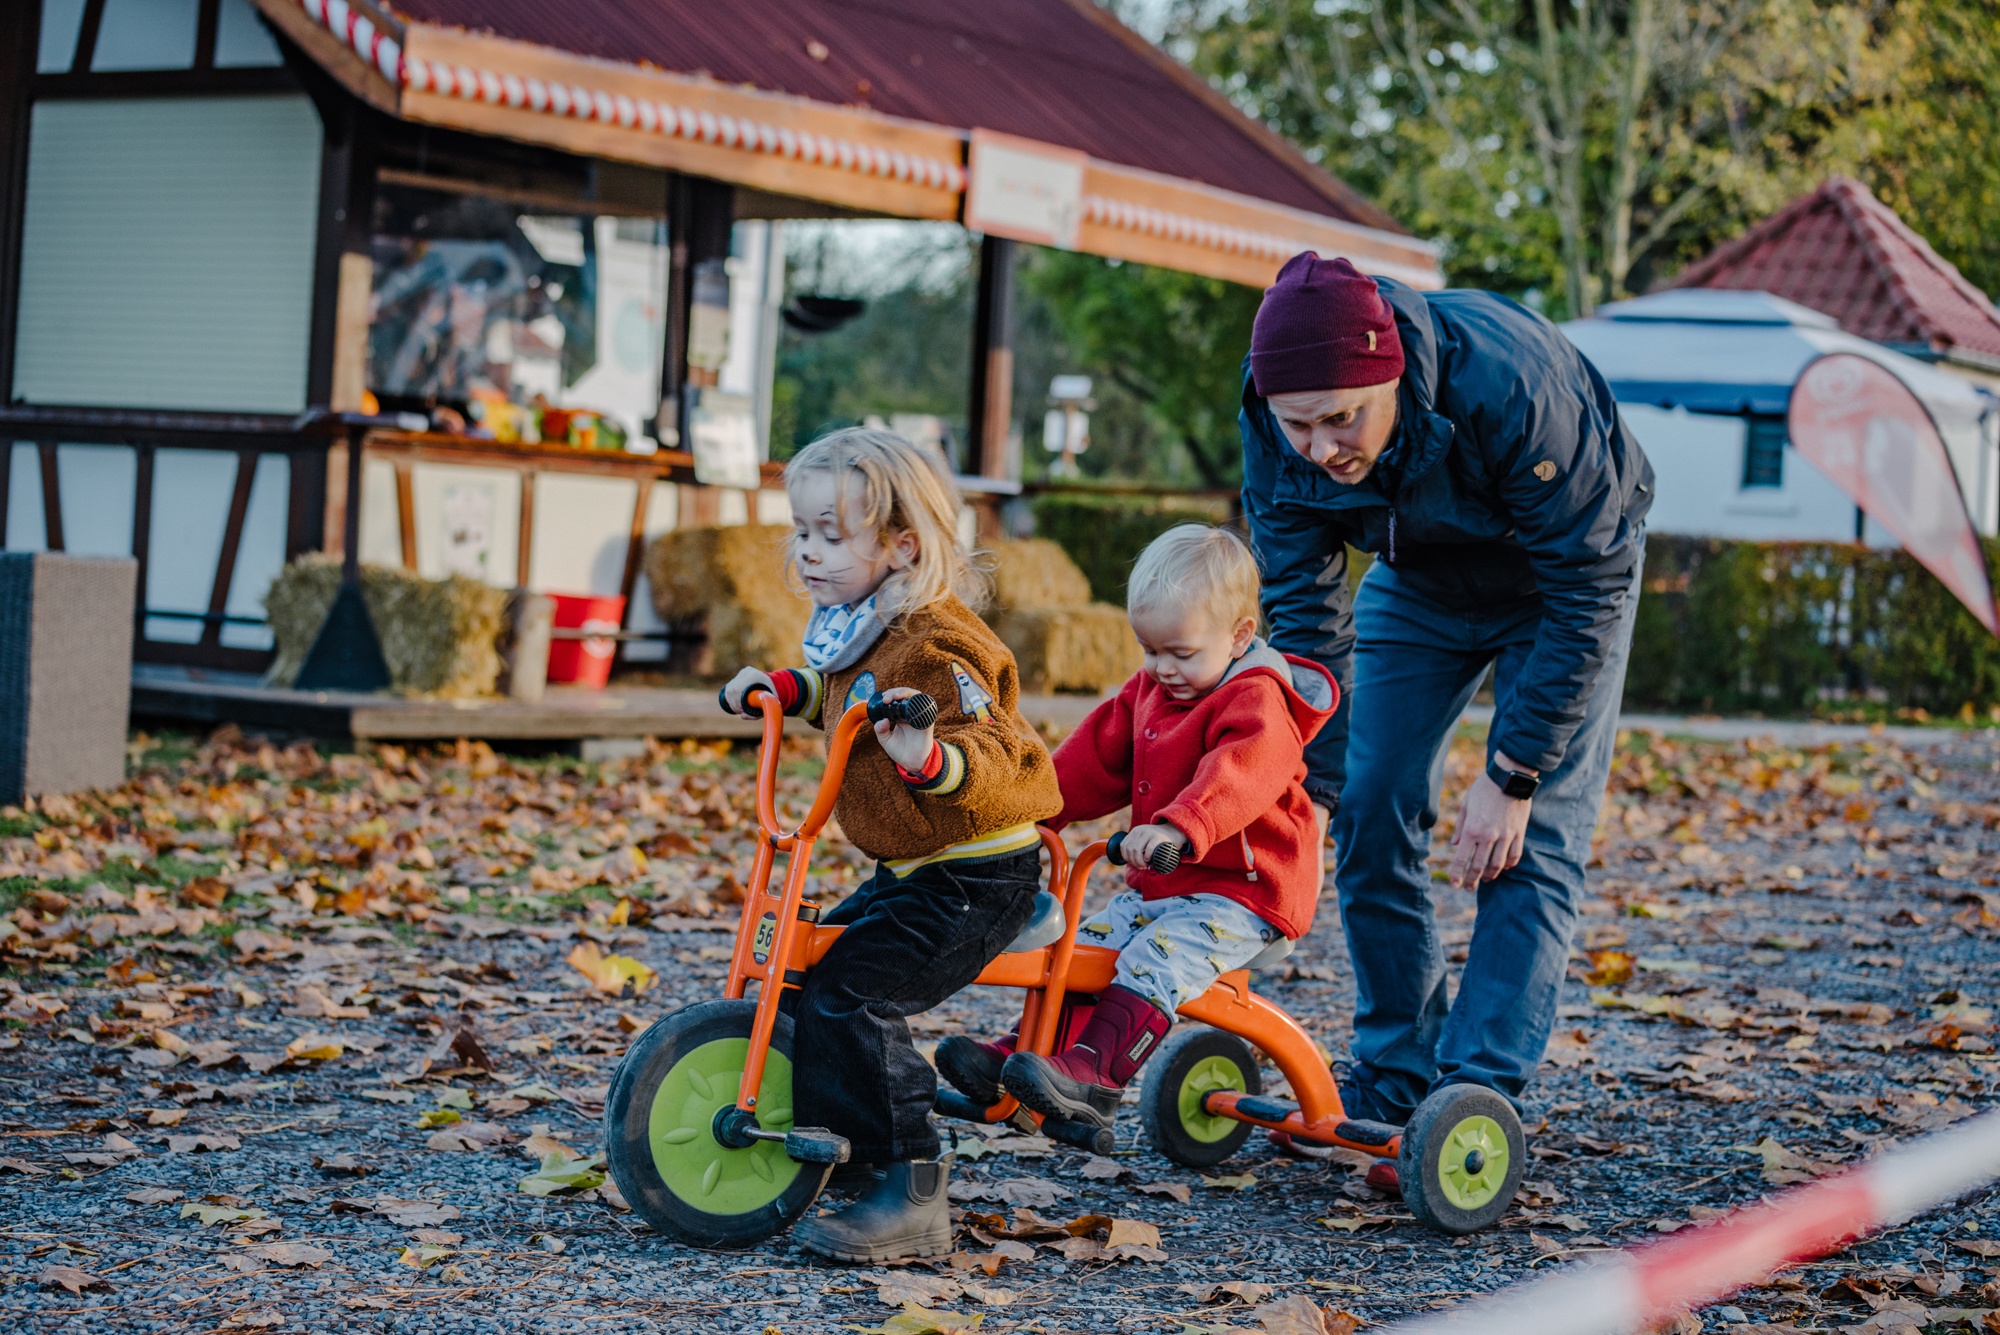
column 1803, row 627
column 1731, row 627
column 1104, row 535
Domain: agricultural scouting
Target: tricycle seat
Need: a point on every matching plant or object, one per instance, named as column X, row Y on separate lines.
column 1274, row 953
column 1045, row 928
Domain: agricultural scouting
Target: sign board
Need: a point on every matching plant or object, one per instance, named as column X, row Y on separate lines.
column 1871, row 436
column 1024, row 190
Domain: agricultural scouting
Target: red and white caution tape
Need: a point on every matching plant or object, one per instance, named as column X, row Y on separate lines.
column 1702, row 1264
column 382, row 51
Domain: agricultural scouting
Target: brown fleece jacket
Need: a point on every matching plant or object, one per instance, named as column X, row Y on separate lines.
column 995, row 772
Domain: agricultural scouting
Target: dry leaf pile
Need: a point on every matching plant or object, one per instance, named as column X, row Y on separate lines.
column 305, row 1039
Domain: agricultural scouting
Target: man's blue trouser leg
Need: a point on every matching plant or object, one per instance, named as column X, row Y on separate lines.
column 1416, row 666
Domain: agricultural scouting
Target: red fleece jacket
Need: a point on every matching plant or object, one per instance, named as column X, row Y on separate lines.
column 1226, row 769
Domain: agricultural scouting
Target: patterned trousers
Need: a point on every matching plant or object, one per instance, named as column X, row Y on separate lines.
column 1173, row 950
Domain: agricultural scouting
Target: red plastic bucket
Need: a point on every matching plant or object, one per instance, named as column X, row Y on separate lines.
column 585, row 662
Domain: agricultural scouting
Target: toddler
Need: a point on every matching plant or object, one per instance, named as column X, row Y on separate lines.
column 1207, row 745
column 948, row 812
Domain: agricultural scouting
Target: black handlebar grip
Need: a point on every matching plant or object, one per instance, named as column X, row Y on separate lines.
column 1114, row 849
column 1165, row 858
column 916, row 711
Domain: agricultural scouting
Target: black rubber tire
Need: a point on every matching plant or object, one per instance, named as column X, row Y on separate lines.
column 1160, row 1095
column 628, row 1111
column 1427, row 1141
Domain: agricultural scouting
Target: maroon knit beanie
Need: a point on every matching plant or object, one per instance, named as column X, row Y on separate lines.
column 1323, row 325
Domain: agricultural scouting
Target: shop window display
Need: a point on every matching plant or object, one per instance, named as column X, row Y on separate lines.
column 528, row 325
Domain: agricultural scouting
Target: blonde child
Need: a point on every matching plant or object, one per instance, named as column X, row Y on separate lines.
column 1207, row 744
column 948, row 812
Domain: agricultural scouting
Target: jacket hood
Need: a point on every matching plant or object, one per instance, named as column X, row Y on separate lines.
column 1311, row 693
column 1423, row 434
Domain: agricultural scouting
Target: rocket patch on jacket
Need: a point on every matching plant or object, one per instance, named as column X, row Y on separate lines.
column 973, row 701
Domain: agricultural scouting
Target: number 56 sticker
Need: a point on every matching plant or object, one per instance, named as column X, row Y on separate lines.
column 767, row 932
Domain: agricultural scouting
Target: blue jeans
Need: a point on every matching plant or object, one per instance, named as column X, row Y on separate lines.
column 1416, row 666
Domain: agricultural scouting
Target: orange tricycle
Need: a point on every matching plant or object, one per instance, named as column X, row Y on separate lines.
column 698, row 1125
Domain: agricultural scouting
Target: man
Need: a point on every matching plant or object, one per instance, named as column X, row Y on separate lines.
column 1466, row 444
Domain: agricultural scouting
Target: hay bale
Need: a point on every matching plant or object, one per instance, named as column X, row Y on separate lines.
column 1034, row 572
column 1086, row 648
column 728, row 585
column 439, row 636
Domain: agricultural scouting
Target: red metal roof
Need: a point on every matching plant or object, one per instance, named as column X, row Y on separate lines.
column 1845, row 253
column 1060, row 71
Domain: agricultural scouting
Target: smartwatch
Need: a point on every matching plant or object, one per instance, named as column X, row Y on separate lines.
column 1515, row 784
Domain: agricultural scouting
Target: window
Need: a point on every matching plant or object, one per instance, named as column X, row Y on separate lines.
column 167, row 253
column 133, row 35
column 1764, row 453
column 478, row 301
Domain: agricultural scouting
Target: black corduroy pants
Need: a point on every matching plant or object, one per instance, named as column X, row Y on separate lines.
column 907, row 944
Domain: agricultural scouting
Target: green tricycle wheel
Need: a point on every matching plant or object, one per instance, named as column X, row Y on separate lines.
column 1462, row 1158
column 659, row 1133
column 1193, row 1064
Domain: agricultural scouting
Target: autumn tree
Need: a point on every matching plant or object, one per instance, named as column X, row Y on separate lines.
column 1563, row 146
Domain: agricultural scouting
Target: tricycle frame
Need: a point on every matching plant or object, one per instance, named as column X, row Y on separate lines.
column 778, row 940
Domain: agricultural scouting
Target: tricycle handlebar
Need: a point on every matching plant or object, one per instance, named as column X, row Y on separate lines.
column 916, row 711
column 1165, row 858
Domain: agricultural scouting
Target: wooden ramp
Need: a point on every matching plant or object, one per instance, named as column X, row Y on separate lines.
column 199, row 699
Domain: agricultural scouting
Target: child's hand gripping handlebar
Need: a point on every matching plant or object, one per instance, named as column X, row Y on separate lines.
column 1165, row 858
column 917, row 711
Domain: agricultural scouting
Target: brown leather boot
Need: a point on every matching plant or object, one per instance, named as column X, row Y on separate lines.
column 905, row 1214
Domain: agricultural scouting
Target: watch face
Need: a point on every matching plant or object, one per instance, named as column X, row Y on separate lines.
column 1520, row 785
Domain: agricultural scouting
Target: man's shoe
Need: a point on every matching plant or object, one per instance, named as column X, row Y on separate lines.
column 1086, row 1083
column 905, row 1215
column 1359, row 1100
column 973, row 1068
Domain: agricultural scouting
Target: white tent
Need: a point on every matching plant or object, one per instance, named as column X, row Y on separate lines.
column 1703, row 377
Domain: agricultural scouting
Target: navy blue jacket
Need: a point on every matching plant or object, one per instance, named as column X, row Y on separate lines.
column 1491, row 394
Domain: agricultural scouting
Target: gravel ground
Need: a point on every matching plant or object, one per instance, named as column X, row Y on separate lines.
column 1784, row 962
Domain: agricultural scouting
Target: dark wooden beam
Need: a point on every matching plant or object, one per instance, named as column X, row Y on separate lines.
column 52, row 525
column 700, row 216
column 346, row 225
column 142, row 534
column 205, row 24
column 232, row 542
column 155, row 83
column 86, row 38
column 990, row 406
column 19, row 38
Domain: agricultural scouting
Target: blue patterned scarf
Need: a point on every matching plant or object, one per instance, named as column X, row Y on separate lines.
column 837, row 637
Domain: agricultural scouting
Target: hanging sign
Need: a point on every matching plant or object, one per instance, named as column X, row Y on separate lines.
column 1024, row 190
column 1867, row 432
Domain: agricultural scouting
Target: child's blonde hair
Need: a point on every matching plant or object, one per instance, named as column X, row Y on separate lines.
column 1194, row 567
column 899, row 489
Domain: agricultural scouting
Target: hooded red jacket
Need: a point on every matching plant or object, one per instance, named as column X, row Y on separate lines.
column 1226, row 769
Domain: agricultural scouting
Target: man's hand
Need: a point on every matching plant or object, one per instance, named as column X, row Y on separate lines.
column 907, row 746
column 740, row 684
column 1492, row 830
column 1141, row 840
